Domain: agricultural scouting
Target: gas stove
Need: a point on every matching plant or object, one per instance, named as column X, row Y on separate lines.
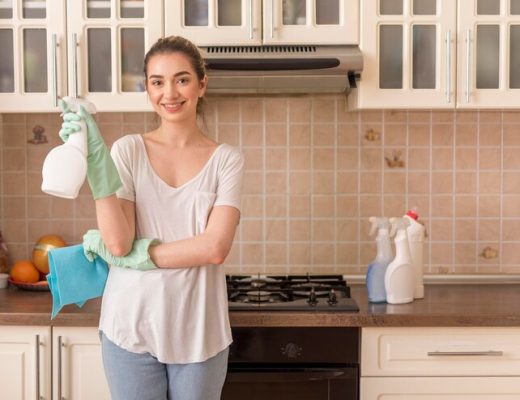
column 289, row 293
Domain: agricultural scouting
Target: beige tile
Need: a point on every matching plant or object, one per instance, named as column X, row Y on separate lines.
column 346, row 182
column 442, row 206
column 19, row 251
column 511, row 230
column 61, row 208
column 299, row 159
column 511, row 183
column 369, row 129
column 419, row 135
column 228, row 133
column 300, row 182
column 345, row 116
column 466, row 158
column 323, row 206
column 81, row 226
column 371, row 116
column 276, row 254
column 393, row 205
column 465, row 230
column 134, row 118
column 252, row 135
column 253, row 183
column 299, row 206
column 14, row 183
column 323, row 158
column 490, row 158
column 300, row 135
column 347, row 158
column 466, row 135
column 371, row 182
column 488, row 230
column 251, row 110
column 441, row 254
column 276, row 135
column 395, row 116
column 111, row 133
column 440, row 230
column 14, row 207
column 442, row 135
column 347, row 254
column 423, row 117
column 323, row 110
column 465, row 206
column 251, row 230
column 276, row 206
column 63, row 228
column 36, row 228
column 14, row 136
column 34, row 183
column 299, row 253
column 421, row 203
column 323, row 135
column 252, row 206
column 465, row 182
column 347, row 206
column 323, row 230
column 300, row 109
column 109, row 117
column 14, row 118
column 299, row 230
column 233, row 257
column 371, row 159
column 252, row 254
column 84, row 207
column 418, row 182
column 489, row 182
column 369, row 206
column 418, row 158
column 442, row 182
column 276, row 158
column 511, row 117
column 323, row 183
column 510, row 254
column 14, row 230
column 348, row 229
column 489, row 206
column 395, row 135
column 442, row 158
column 37, row 119
column 276, row 229
column 253, row 158
column 490, row 134
column 322, row 254
column 466, row 117
column 442, row 117
column 511, row 159
column 367, row 252
column 13, row 160
column 394, row 182
column 228, row 110
column 276, row 182
column 490, row 116
column 276, row 110
column 348, row 134
column 35, row 157
column 38, row 207
column 510, row 135
column 510, row 206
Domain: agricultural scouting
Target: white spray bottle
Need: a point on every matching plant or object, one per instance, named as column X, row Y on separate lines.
column 65, row 167
column 375, row 279
column 416, row 234
column 400, row 276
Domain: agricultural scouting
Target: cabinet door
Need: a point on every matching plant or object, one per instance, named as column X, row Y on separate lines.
column 489, row 54
column 25, row 362
column 311, row 21
column 453, row 388
column 32, row 65
column 78, row 367
column 409, row 54
column 107, row 43
column 215, row 22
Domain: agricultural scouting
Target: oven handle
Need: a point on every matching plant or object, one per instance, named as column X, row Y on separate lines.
column 280, row 375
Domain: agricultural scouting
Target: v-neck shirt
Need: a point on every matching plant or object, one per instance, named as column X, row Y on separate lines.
column 178, row 315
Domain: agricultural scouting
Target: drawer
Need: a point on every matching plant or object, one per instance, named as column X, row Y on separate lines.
column 440, row 352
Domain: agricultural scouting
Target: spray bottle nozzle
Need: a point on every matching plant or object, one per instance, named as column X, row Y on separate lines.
column 378, row 223
column 398, row 223
column 75, row 102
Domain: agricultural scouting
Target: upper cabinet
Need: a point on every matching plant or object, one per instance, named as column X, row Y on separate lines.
column 256, row 22
column 439, row 54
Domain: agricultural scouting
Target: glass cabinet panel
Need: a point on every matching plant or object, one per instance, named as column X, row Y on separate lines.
column 294, row 12
column 132, row 9
column 391, row 7
column 99, row 50
column 35, row 60
column 488, row 53
column 327, row 12
column 424, row 7
column 514, row 59
column 424, row 46
column 6, row 9
column 195, row 12
column 6, row 61
column 515, row 7
column 132, row 55
column 34, row 9
column 390, row 56
column 488, row 7
column 98, row 8
column 229, row 12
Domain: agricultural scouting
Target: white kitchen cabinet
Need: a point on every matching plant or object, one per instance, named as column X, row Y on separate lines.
column 426, row 363
column 439, row 54
column 25, row 362
column 257, row 22
column 77, row 365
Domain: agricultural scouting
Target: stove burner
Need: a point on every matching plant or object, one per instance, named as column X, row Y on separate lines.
column 258, row 296
column 310, row 285
column 319, row 293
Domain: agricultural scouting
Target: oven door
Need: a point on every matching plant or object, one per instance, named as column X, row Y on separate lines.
column 291, row 383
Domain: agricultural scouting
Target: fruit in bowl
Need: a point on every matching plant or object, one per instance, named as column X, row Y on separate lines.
column 41, row 249
column 24, row 271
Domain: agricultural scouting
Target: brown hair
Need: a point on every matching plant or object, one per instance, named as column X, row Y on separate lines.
column 178, row 44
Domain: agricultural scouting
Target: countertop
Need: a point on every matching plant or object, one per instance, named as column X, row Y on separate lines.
column 443, row 305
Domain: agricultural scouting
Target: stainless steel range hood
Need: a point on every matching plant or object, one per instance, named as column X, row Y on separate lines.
column 282, row 69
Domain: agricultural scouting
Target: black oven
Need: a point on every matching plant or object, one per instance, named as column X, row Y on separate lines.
column 301, row 363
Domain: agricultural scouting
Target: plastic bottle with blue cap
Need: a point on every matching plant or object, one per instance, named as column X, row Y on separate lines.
column 375, row 278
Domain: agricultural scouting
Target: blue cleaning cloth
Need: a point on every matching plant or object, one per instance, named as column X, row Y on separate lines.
column 73, row 279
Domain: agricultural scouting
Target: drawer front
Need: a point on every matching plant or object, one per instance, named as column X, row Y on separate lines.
column 440, row 388
column 440, row 352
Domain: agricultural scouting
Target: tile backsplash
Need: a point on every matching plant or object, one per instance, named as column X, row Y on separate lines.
column 314, row 174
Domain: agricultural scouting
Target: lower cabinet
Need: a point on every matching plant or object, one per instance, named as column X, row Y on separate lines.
column 462, row 363
column 44, row 363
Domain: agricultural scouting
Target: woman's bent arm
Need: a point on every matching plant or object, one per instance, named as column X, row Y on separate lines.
column 116, row 222
column 210, row 247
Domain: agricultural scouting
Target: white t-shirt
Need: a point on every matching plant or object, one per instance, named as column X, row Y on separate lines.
column 178, row 315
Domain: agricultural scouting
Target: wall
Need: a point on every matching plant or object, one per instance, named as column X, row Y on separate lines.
column 314, row 174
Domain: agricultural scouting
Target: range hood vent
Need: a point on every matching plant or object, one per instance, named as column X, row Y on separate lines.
column 282, row 69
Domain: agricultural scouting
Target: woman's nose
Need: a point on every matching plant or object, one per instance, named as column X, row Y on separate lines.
column 170, row 90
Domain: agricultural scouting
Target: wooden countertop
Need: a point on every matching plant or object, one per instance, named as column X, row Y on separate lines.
column 443, row 305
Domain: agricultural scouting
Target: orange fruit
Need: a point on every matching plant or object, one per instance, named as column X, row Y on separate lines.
column 42, row 247
column 24, row 271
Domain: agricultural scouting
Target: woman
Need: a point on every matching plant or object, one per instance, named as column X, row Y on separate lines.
column 164, row 322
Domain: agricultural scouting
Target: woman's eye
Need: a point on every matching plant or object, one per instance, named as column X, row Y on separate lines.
column 156, row 83
column 183, row 81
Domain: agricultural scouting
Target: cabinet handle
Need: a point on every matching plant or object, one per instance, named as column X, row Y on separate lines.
column 448, row 66
column 468, row 62
column 60, row 345
column 37, row 348
column 272, row 19
column 491, row 353
column 250, row 19
column 54, row 70
column 74, row 55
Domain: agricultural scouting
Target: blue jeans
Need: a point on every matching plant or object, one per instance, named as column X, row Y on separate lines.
column 133, row 376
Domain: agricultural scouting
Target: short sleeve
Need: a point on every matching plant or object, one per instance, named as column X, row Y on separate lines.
column 122, row 155
column 229, row 187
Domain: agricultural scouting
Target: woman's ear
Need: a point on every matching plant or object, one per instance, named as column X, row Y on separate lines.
column 203, row 84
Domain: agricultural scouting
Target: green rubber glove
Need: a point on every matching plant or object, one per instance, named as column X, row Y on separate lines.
column 138, row 258
column 102, row 174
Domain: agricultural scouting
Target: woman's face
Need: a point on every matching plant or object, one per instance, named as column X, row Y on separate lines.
column 173, row 86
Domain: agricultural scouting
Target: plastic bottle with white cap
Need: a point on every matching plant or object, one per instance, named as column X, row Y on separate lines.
column 416, row 234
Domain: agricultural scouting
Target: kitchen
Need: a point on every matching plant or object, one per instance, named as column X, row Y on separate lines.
column 317, row 168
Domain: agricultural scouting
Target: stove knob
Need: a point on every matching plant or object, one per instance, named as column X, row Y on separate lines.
column 313, row 299
column 333, row 299
column 291, row 350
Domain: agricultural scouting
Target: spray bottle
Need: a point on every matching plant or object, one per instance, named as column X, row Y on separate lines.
column 375, row 279
column 416, row 234
column 400, row 277
column 65, row 167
